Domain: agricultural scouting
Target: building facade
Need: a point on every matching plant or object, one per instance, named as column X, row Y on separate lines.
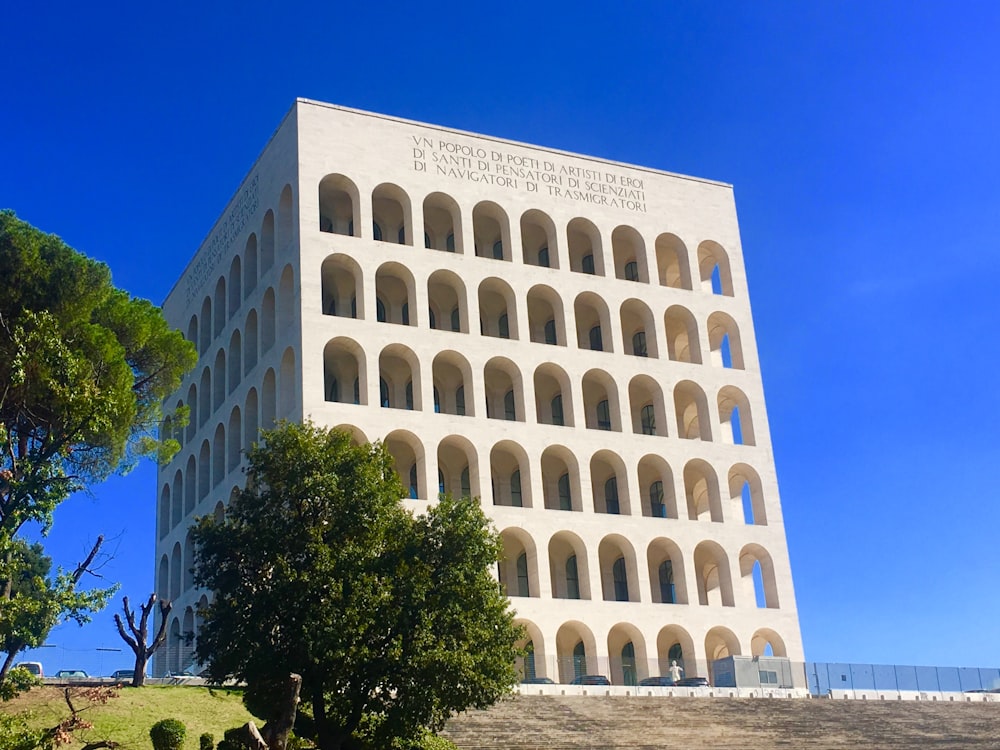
column 566, row 338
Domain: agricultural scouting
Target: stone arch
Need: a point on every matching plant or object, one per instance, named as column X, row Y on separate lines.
column 758, row 579
column 546, row 316
column 268, row 401
column 504, row 388
column 538, row 239
column 165, row 508
column 250, row 265
column 453, row 384
column 399, row 378
column 764, row 637
column 593, row 323
column 701, row 488
column 714, row 270
column 583, row 240
column 510, row 473
column 190, row 486
column 339, row 200
column 627, row 654
column 219, row 379
column 682, row 335
column 569, row 566
column 410, row 462
column 518, row 575
column 218, row 454
column 442, row 224
column 288, row 391
column 458, row 467
column 358, row 436
column 648, row 410
column 193, row 416
column 711, row 567
column 609, row 483
column 267, row 243
column 600, row 402
column 235, row 361
column 219, row 307
column 576, row 651
column 188, row 572
column 234, row 448
column 617, row 556
column 667, row 580
column 286, row 297
column 724, row 341
column 250, row 343
column 638, row 329
column 672, row 262
column 491, row 231
column 746, row 493
column 691, row 409
column 192, row 331
column 176, row 570
column 205, row 325
column 235, row 287
column 286, row 218
column 268, row 321
column 534, row 663
column 553, row 395
column 395, row 291
column 345, row 372
column 720, row 642
column 671, row 641
column 656, row 487
column 163, row 578
column 497, row 309
column 251, row 424
column 629, row 251
column 343, row 289
column 392, row 211
column 448, row 302
column 561, row 479
column 735, row 419
column 204, row 470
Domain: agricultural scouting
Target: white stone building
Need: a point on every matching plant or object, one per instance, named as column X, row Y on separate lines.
column 567, row 338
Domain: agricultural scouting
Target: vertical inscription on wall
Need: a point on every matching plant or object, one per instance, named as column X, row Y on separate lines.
column 553, row 177
column 244, row 207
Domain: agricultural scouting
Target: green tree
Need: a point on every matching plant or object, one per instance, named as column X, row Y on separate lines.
column 393, row 621
column 84, row 368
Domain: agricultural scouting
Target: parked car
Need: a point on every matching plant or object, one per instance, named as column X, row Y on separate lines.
column 35, row 667
column 537, row 681
column 71, row 674
column 123, row 675
column 661, row 681
column 591, row 679
column 693, row 682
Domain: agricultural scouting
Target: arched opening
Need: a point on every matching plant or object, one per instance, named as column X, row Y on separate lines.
column 288, row 391
column 630, row 255
column 510, row 475
column 176, row 570
column 691, row 410
column 609, row 482
column 618, row 569
column 568, row 566
column 734, row 417
column 533, row 664
column 345, row 375
column 204, row 470
column 338, row 205
column 546, row 318
column 666, row 572
column 600, row 402
column 251, row 426
column 491, row 231
column 268, row 321
column 627, row 652
column 715, row 585
column 235, row 287
column 269, row 392
column 342, row 287
column 766, row 640
column 701, row 488
column 219, row 307
column 391, row 213
column 757, row 575
column 720, row 643
column 553, row 399
column 250, row 343
column 205, row 325
column 164, row 516
column 447, row 302
column 235, row 365
column 674, row 644
column 497, row 309
column 218, row 455
column 442, row 224
column 586, row 253
column 191, row 488
column 452, row 381
column 267, row 243
column 649, row 416
column 746, row 493
column 724, row 341
column 538, row 240
column 713, row 268
column 250, row 266
column 682, row 335
column 235, row 434
column 399, row 378
column 672, row 263
column 518, row 567
column 407, row 452
column 286, row 224
column 638, row 329
column 656, row 483
column 219, row 380
column 576, row 651
column 504, row 390
column 593, row 323
column 458, row 467
column 561, row 479
column 394, row 289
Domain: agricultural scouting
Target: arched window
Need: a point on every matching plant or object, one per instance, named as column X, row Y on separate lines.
column 413, row 482
column 522, row 575
column 596, row 339
column 460, row 401
column 409, row 395
column 509, row 408
column 543, row 257
column 656, row 504
column 550, row 332
column 383, row 393
column 621, row 580
column 603, row 415
column 557, row 411
column 380, row 311
column 466, row 483
column 437, row 401
column 639, row 344
column 611, row 496
column 631, row 271
column 648, row 417
column 668, row 594
column 628, row 663
column 565, row 498
column 588, row 264
column 498, row 250
column 515, row 491
column 449, row 243
column 503, row 327
column 376, row 231
column 456, row 320
column 572, row 578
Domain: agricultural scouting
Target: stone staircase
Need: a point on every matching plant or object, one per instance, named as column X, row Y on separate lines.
column 641, row 723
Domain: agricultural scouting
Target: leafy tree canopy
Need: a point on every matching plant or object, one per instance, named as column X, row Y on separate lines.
column 83, row 370
column 394, row 621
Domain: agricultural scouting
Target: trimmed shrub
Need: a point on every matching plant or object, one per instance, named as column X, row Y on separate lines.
column 206, row 742
column 168, row 734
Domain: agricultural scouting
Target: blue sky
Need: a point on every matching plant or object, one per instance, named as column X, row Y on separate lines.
column 862, row 140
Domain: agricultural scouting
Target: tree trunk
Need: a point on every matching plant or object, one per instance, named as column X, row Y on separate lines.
column 5, row 668
column 276, row 731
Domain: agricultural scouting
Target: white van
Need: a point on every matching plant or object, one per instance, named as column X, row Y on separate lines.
column 35, row 667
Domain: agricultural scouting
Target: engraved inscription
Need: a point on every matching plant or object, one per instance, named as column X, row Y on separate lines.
column 553, row 177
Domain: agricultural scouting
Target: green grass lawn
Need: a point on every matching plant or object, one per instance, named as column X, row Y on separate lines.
column 127, row 718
